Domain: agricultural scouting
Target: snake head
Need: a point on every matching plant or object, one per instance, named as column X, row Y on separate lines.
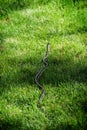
column 48, row 47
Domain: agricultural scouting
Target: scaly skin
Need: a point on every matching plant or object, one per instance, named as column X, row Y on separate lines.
column 38, row 75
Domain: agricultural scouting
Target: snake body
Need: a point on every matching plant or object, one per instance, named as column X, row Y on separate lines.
column 38, row 75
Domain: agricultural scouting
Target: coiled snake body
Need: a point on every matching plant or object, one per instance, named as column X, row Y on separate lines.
column 40, row 73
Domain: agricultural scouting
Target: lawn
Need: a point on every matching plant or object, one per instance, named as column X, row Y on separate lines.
column 26, row 27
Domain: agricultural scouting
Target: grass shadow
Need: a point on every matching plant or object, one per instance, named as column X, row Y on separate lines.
column 67, row 127
column 9, row 125
column 65, row 71
column 59, row 70
column 11, row 5
column 1, row 42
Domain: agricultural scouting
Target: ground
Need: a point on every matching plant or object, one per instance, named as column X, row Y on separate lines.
column 24, row 34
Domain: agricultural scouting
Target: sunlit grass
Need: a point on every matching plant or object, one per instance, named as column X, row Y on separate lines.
column 23, row 38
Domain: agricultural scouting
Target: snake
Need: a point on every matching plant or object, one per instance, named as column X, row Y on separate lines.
column 39, row 73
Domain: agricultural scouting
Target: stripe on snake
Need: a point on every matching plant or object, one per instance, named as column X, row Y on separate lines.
column 38, row 75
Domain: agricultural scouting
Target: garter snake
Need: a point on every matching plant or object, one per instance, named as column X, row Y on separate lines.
column 38, row 75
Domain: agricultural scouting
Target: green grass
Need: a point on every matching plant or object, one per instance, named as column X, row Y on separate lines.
column 24, row 34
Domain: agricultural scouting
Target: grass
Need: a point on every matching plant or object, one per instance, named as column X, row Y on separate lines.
column 24, row 33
